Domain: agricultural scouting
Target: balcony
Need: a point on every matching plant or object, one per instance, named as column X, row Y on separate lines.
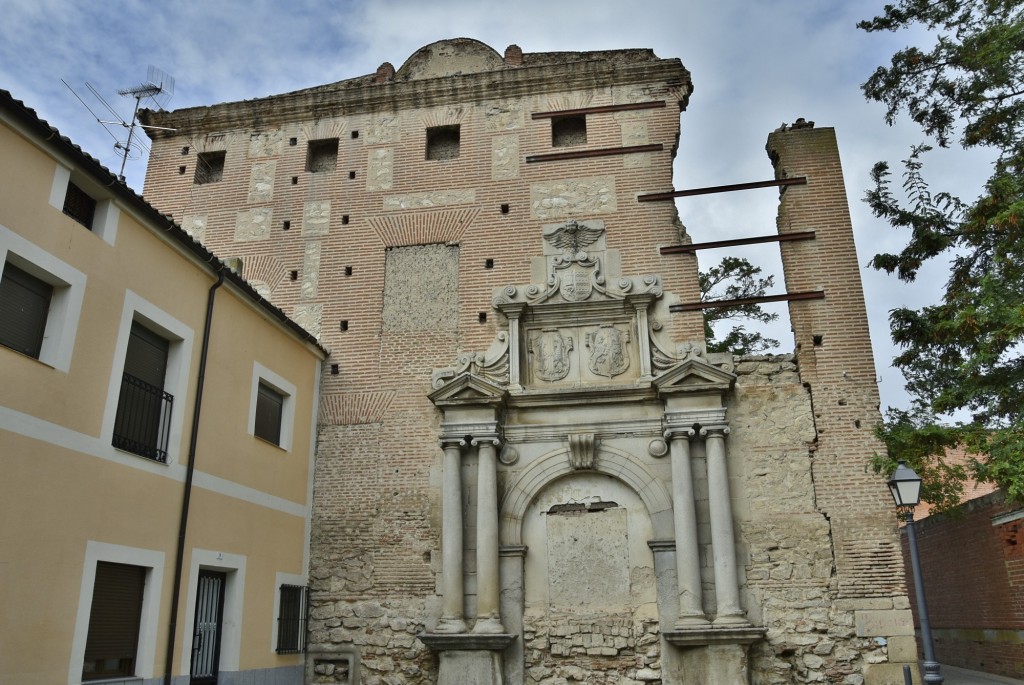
column 143, row 419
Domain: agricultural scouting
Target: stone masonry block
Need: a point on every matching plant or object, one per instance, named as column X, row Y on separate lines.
column 884, row 623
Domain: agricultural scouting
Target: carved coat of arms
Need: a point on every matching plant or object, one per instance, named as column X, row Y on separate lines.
column 608, row 351
column 575, row 285
column 551, row 355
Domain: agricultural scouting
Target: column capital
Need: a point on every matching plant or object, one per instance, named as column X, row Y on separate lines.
column 717, row 431
column 446, row 441
column 478, row 440
column 679, row 433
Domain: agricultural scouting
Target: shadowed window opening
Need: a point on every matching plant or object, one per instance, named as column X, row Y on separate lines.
column 568, row 131
column 209, row 167
column 322, row 155
column 443, row 142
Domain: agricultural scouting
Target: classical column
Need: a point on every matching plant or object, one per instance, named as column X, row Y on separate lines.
column 727, row 592
column 488, row 590
column 691, row 610
column 451, row 539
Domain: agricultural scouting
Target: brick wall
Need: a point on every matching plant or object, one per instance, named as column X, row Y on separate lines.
column 973, row 567
column 835, row 361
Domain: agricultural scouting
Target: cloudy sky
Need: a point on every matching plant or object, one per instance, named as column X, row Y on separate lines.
column 755, row 65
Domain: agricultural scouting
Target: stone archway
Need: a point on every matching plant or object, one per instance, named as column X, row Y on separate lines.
column 556, row 464
column 587, row 588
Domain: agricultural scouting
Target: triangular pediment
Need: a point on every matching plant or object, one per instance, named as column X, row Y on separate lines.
column 467, row 389
column 694, row 376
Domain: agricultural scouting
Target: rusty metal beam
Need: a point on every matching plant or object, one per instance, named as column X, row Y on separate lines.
column 654, row 197
column 603, row 152
column 599, row 110
column 781, row 238
column 740, row 301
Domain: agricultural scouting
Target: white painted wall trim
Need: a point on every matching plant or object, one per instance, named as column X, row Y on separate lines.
column 179, row 358
column 49, row 433
column 152, row 560
column 65, row 304
column 234, row 593
column 279, row 580
column 287, row 390
column 311, row 464
column 107, row 215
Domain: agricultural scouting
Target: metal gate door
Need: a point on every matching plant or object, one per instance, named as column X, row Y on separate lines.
column 206, row 635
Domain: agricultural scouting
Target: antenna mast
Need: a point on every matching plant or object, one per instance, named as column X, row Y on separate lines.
column 158, row 86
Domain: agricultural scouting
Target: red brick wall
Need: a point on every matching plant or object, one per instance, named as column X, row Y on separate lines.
column 835, row 361
column 974, row 583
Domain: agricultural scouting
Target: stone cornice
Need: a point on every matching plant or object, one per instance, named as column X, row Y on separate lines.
column 696, row 637
column 361, row 95
column 466, row 641
column 590, row 395
column 603, row 430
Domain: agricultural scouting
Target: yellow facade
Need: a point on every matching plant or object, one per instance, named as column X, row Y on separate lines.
column 71, row 501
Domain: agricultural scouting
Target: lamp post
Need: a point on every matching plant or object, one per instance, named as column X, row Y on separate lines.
column 905, row 486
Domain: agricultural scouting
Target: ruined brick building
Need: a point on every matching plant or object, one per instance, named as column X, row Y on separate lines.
column 528, row 469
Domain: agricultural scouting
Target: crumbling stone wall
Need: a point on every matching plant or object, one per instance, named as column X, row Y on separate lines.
column 603, row 649
column 790, row 567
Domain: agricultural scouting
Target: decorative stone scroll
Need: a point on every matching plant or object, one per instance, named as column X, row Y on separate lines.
column 492, row 365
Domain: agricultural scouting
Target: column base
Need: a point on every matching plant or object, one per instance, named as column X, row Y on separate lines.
column 488, row 625
column 691, row 622
column 731, row 620
column 450, row 626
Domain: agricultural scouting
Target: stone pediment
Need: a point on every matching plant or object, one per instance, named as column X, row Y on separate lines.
column 467, row 389
column 582, row 327
column 694, row 375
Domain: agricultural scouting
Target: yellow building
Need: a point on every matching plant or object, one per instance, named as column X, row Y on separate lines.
column 157, row 436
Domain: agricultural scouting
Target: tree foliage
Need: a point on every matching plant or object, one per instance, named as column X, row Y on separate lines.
column 962, row 356
column 736, row 278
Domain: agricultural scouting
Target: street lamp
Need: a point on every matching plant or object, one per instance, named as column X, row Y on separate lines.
column 905, row 486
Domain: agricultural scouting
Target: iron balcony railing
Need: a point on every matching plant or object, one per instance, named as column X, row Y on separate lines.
column 143, row 419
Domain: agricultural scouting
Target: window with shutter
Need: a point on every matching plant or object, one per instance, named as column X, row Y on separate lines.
column 113, row 637
column 269, row 406
column 143, row 408
column 24, row 306
column 79, row 205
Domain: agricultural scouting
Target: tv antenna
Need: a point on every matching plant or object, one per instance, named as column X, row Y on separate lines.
column 158, row 87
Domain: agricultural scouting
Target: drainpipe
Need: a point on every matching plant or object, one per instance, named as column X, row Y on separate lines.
column 190, row 469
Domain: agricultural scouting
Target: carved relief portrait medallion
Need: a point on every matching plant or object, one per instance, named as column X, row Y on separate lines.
column 551, row 355
column 608, row 351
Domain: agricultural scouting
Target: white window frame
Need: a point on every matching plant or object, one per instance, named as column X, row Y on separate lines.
column 234, row 601
column 153, row 562
column 279, row 580
column 107, row 215
column 261, row 374
column 65, row 303
column 179, row 356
